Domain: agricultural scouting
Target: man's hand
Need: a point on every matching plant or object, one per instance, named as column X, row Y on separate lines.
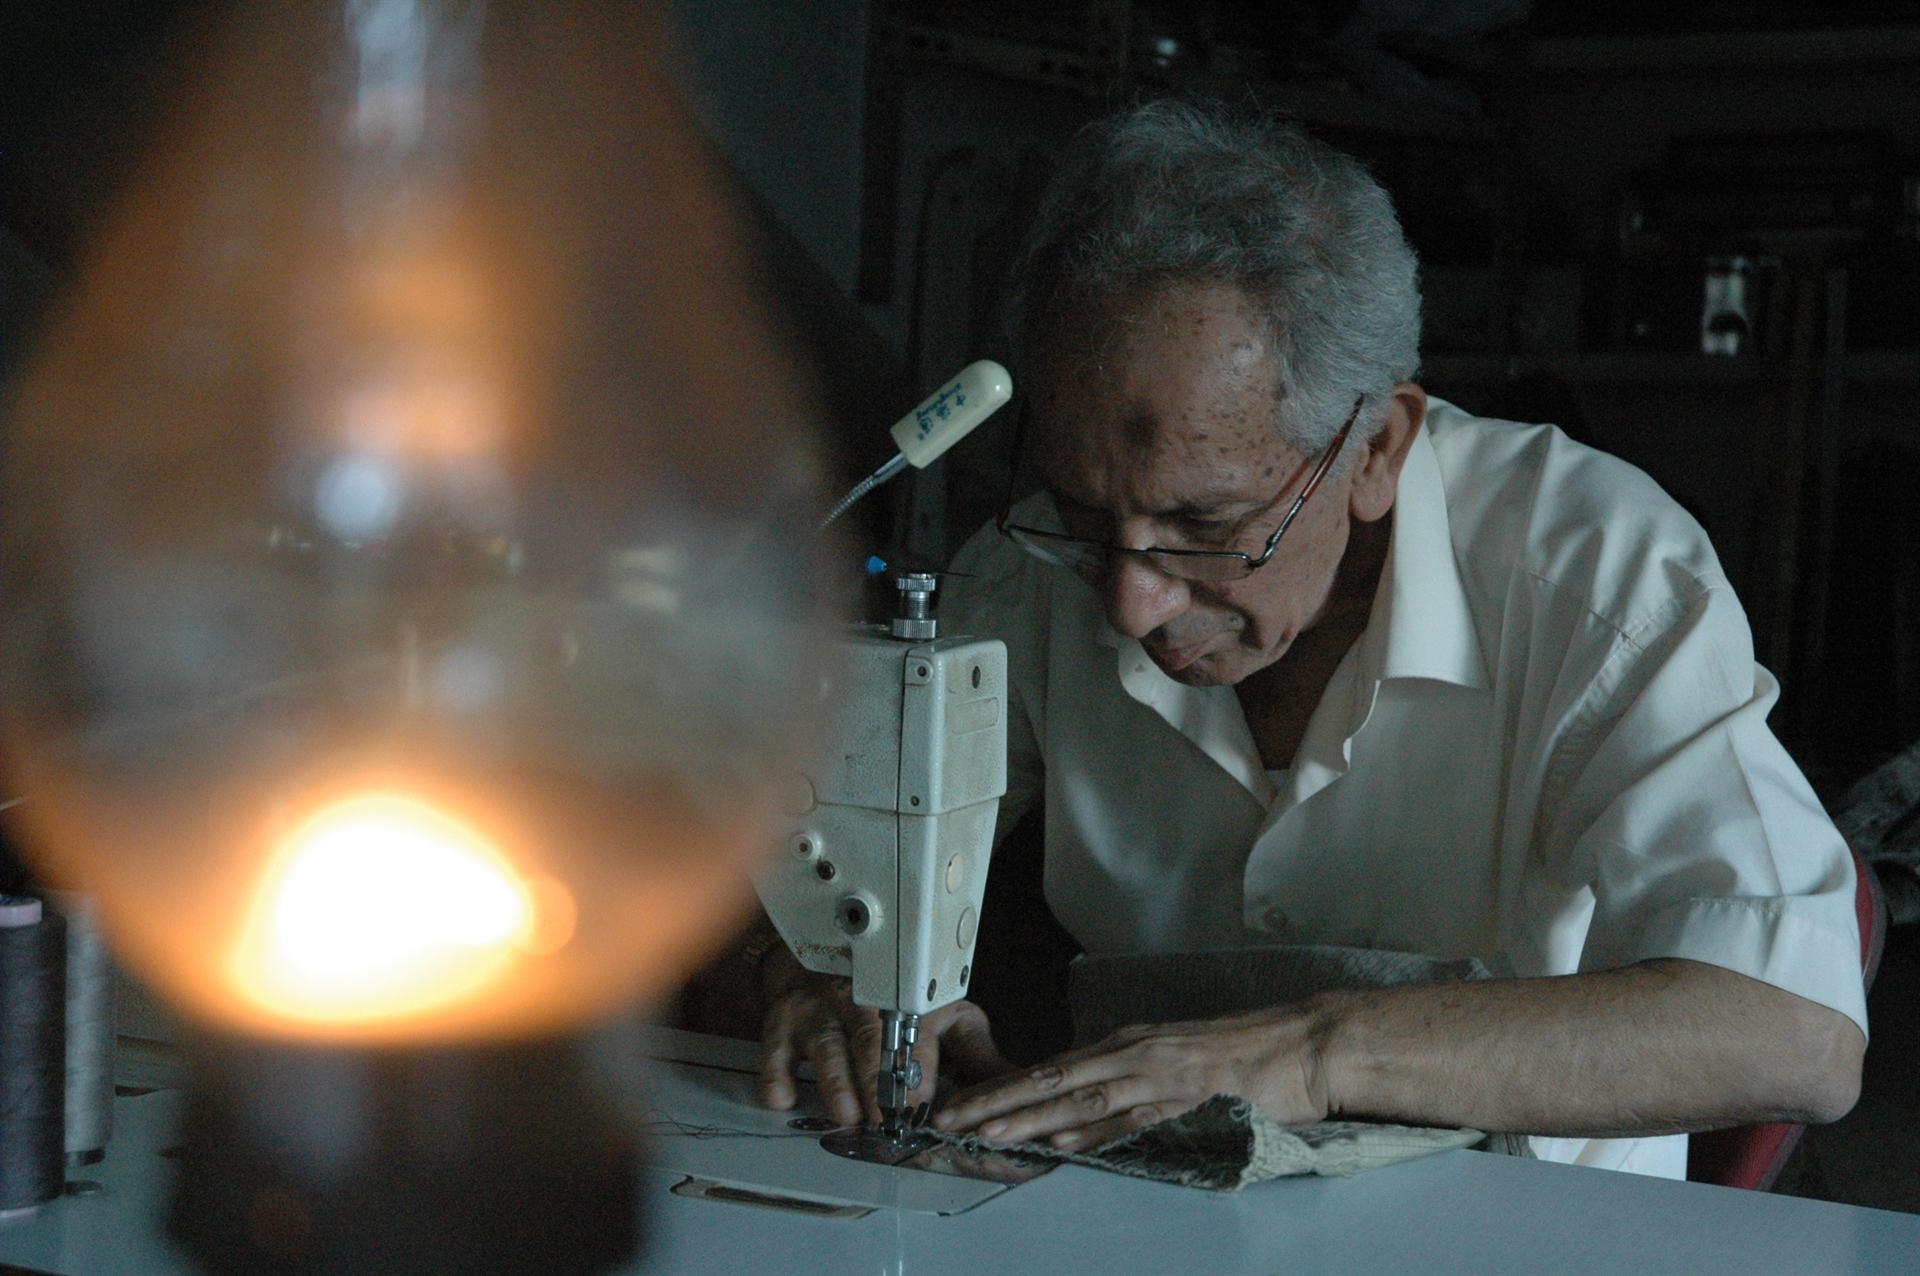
column 813, row 1017
column 1141, row 1075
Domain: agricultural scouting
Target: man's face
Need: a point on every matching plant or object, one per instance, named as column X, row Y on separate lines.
column 1155, row 425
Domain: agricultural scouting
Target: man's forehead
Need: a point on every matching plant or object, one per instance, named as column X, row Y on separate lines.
column 1199, row 336
column 1160, row 400
column 1203, row 400
column 1107, row 333
column 1086, row 423
column 1119, row 454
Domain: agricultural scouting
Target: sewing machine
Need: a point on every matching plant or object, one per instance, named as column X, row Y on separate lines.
column 882, row 877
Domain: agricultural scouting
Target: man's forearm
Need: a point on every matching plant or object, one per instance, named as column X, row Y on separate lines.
column 1657, row 1047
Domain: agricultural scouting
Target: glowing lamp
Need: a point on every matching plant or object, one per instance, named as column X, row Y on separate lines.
column 381, row 907
column 409, row 596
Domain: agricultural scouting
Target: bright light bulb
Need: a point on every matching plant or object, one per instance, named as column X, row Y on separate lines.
column 381, row 905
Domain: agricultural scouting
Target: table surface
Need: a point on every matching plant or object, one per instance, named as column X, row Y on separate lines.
column 1453, row 1212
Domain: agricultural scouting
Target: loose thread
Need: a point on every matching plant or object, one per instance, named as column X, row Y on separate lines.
column 656, row 1122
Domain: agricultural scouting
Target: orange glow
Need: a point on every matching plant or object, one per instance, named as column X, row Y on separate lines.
column 430, row 374
column 382, row 906
column 443, row 413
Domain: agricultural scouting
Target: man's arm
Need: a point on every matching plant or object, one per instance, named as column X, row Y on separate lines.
column 1654, row 1048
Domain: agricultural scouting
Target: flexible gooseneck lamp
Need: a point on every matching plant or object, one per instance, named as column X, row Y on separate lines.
column 411, row 612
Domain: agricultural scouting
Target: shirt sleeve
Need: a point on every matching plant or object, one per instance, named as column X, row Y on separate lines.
column 991, row 592
column 1695, row 831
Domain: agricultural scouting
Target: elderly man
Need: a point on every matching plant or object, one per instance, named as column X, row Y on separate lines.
column 1299, row 655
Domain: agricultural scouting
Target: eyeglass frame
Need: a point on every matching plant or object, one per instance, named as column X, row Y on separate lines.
column 1015, row 532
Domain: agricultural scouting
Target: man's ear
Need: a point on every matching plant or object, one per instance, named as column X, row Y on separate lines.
column 1376, row 480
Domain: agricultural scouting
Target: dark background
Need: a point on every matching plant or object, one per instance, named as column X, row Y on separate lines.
column 1574, row 175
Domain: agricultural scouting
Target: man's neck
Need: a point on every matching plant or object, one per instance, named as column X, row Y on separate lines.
column 1279, row 699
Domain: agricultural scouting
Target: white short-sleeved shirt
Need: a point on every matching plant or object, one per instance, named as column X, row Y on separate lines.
column 1548, row 749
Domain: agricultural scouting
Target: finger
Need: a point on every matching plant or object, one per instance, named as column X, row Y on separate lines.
column 826, row 1047
column 777, row 1087
column 1100, row 1133
column 926, row 1052
column 1076, row 1109
column 999, row 1096
column 864, row 1029
column 997, row 1099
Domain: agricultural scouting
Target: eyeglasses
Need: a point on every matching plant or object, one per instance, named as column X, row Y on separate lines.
column 1085, row 555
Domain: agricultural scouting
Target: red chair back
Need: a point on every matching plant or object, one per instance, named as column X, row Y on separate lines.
column 1751, row 1156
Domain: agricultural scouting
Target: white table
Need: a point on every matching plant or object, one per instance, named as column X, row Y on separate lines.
column 1464, row 1212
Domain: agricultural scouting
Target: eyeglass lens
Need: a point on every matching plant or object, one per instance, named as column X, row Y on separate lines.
column 1088, row 557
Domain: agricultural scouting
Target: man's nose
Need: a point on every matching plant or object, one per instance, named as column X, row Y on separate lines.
column 1139, row 596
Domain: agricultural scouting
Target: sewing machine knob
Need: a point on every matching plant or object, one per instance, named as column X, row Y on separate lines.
column 914, row 619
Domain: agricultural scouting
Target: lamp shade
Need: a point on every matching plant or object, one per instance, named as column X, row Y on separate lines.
column 410, row 618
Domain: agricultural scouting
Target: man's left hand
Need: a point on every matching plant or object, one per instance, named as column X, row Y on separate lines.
column 1144, row 1074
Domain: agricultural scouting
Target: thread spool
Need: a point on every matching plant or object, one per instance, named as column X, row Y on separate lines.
column 33, row 1038
column 90, row 1029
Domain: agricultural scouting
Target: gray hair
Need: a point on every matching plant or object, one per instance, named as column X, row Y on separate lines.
column 1169, row 193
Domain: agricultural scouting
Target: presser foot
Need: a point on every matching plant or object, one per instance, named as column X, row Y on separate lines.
column 912, row 1146
column 893, row 1141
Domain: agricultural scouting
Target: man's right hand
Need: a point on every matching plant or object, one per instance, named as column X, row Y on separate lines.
column 813, row 1017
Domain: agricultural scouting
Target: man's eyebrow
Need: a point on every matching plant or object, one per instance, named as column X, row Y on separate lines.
column 1199, row 507
column 1212, row 507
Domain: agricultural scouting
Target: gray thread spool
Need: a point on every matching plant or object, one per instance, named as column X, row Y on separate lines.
column 32, row 1054
column 90, row 1029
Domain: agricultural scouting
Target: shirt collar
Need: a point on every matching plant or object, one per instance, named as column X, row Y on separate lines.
column 1421, row 626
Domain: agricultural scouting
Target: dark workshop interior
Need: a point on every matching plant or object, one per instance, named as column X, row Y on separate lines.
column 1688, row 234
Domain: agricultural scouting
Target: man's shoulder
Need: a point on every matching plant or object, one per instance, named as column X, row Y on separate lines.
column 1529, row 507
column 993, row 587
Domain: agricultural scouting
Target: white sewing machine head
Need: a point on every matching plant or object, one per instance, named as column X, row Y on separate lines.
column 882, row 880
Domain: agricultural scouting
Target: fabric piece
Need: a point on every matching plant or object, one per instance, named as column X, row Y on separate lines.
column 1880, row 817
column 1548, row 750
column 1226, row 1143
